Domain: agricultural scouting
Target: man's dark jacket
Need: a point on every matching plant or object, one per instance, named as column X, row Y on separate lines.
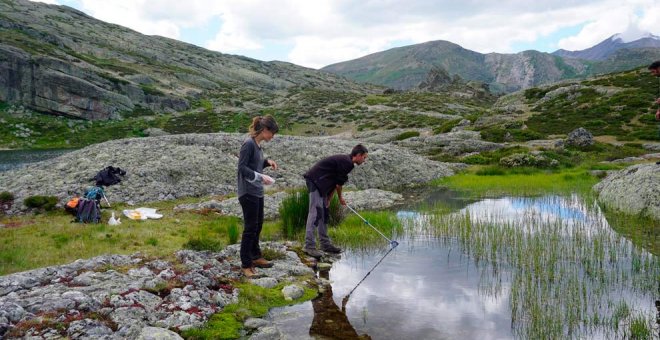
column 330, row 172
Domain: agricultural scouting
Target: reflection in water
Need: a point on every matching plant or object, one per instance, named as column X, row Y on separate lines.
column 328, row 319
column 344, row 301
column 494, row 269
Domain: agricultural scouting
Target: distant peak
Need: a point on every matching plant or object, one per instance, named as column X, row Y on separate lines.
column 633, row 34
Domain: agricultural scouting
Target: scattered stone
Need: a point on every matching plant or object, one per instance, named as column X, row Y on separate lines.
column 157, row 333
column 131, row 308
column 292, row 292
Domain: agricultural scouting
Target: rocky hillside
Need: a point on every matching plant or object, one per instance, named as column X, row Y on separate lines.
column 176, row 166
column 406, row 67
column 58, row 60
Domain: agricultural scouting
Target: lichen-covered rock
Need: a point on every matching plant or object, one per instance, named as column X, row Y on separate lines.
column 111, row 304
column 580, row 138
column 174, row 166
column 634, row 190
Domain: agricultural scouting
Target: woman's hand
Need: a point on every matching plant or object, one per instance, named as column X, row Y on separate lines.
column 272, row 164
column 265, row 179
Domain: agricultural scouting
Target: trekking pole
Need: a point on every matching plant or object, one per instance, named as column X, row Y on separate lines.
column 344, row 301
column 106, row 200
column 392, row 243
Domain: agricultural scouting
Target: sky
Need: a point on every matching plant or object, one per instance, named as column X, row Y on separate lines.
column 317, row 33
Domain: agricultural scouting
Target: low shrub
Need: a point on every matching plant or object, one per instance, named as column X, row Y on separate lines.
column 41, row 202
column 6, row 196
column 293, row 213
column 407, row 134
column 294, row 210
column 6, row 201
column 203, row 243
column 232, row 233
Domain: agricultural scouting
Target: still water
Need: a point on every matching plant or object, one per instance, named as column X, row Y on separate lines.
column 12, row 159
column 438, row 286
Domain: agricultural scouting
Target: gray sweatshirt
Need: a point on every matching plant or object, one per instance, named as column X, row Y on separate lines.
column 250, row 160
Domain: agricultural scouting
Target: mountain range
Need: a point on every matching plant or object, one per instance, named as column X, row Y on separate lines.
column 58, row 60
column 404, row 68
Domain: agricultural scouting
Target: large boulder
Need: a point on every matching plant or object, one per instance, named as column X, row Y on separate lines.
column 169, row 167
column 634, row 190
column 580, row 138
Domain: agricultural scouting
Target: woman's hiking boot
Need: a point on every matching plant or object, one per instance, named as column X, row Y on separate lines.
column 249, row 272
column 262, row 263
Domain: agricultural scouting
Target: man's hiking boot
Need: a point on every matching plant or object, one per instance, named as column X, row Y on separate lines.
column 313, row 252
column 249, row 272
column 331, row 249
column 262, row 263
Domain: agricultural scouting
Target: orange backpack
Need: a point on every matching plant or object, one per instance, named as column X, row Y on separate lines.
column 73, row 203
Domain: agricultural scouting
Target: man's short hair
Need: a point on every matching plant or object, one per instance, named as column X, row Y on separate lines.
column 358, row 150
column 654, row 65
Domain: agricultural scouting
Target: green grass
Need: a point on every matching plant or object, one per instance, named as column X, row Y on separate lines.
column 500, row 182
column 254, row 301
column 356, row 234
column 34, row 241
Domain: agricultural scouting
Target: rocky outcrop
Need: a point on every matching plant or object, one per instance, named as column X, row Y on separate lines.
column 634, row 190
column 169, row 167
column 51, row 85
column 58, row 60
column 130, row 297
column 370, row 199
column 453, row 143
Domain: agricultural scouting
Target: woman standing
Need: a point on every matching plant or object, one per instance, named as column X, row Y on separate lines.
column 251, row 191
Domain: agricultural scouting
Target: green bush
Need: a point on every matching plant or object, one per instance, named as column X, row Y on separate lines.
column 446, row 126
column 293, row 213
column 232, row 232
column 41, row 202
column 407, row 134
column 6, row 196
column 491, row 171
column 294, row 210
column 203, row 243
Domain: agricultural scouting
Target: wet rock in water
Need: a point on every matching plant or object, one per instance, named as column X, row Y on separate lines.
column 254, row 323
column 267, row 333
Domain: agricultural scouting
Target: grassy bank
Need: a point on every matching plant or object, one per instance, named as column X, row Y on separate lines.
column 496, row 181
column 39, row 240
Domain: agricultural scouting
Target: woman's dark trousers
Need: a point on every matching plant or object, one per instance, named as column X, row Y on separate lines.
column 253, row 220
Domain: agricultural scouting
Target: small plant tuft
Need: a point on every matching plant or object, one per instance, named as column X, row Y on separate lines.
column 41, row 202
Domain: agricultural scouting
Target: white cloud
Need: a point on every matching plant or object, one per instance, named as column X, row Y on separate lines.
column 325, row 32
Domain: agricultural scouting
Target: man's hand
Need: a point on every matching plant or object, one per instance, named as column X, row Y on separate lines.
column 272, row 164
column 657, row 115
column 342, row 201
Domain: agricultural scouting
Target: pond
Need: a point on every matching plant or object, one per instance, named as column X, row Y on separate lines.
column 12, row 159
column 506, row 268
